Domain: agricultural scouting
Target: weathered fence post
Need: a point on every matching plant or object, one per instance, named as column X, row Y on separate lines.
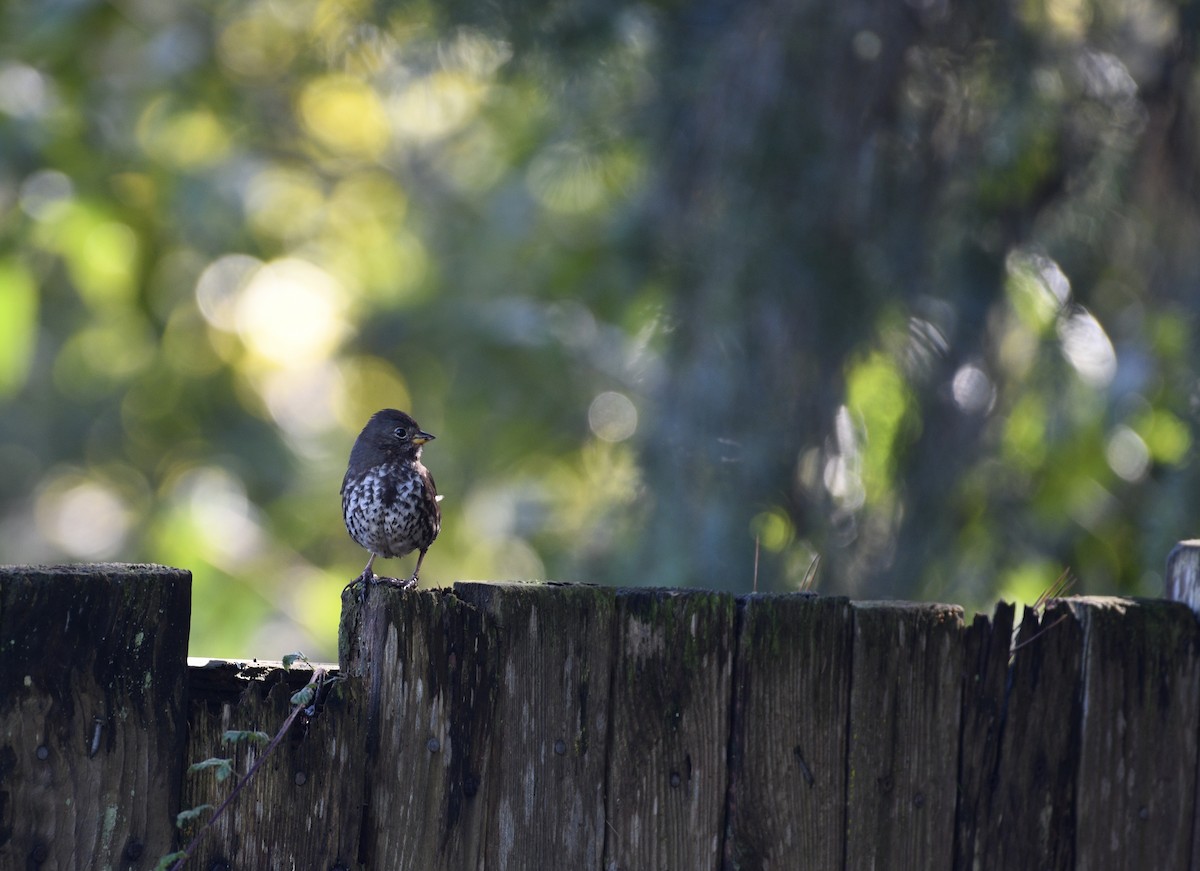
column 787, row 795
column 92, row 715
column 510, row 726
column 1141, row 703
column 667, row 765
column 986, row 650
column 429, row 672
column 304, row 807
column 905, row 704
column 551, row 726
column 1020, row 744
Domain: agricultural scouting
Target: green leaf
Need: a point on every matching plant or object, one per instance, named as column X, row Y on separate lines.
column 170, row 859
column 233, row 736
column 191, row 815
column 223, row 767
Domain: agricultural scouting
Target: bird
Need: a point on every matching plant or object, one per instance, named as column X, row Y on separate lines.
column 389, row 500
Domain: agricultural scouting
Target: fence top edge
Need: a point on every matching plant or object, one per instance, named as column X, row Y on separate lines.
column 69, row 570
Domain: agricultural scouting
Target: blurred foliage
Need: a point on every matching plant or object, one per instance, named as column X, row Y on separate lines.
column 686, row 292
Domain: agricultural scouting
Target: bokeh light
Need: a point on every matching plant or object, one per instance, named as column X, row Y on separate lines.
column 664, row 294
column 612, row 416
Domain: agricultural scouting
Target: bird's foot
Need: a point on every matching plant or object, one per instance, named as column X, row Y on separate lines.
column 361, row 582
column 405, row 584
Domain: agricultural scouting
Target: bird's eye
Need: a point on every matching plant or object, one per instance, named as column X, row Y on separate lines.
column 400, row 433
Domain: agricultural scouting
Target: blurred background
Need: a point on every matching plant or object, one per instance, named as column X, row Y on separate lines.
column 689, row 292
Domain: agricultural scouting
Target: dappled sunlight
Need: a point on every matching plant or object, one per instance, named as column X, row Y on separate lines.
column 101, row 253
column 569, row 179
column 289, row 313
column 434, row 106
column 284, row 203
column 670, row 295
column 222, row 518
column 346, row 115
column 25, row 92
column 879, row 399
column 182, row 137
column 303, row 401
column 18, row 320
column 83, row 517
column 842, row 473
column 773, row 530
column 972, row 390
column 220, row 286
column 259, row 42
column 1088, row 348
column 367, row 384
column 1127, row 454
column 99, row 357
column 612, row 416
column 1037, row 288
column 43, row 194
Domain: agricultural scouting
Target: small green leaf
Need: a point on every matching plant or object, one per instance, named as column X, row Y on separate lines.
column 233, row 736
column 292, row 658
column 191, row 815
column 170, row 859
column 224, row 767
column 304, row 697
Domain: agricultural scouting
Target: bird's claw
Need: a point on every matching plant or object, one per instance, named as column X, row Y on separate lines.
column 405, row 584
column 360, row 583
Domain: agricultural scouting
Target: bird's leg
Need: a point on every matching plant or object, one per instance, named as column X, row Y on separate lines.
column 367, row 577
column 405, row 584
column 412, row 582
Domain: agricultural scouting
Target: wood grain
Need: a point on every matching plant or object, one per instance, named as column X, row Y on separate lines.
column 986, row 652
column 1030, row 790
column 430, row 676
column 92, row 714
column 903, row 762
column 508, row 726
column 1141, row 703
column 550, row 732
column 667, row 765
column 787, row 795
column 304, row 806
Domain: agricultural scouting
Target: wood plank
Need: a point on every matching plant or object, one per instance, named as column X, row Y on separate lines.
column 303, row 808
column 905, row 704
column 545, row 787
column 787, row 794
column 667, row 768
column 986, row 648
column 1141, row 703
column 92, row 713
column 430, row 675
column 1030, row 819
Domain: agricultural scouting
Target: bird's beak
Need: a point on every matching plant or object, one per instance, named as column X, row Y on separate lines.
column 421, row 437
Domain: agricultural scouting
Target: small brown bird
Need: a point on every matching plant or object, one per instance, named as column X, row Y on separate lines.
column 389, row 501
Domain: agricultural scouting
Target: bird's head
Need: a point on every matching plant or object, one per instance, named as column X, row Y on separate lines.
column 389, row 435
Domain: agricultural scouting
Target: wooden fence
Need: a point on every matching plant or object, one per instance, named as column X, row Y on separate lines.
column 523, row 726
